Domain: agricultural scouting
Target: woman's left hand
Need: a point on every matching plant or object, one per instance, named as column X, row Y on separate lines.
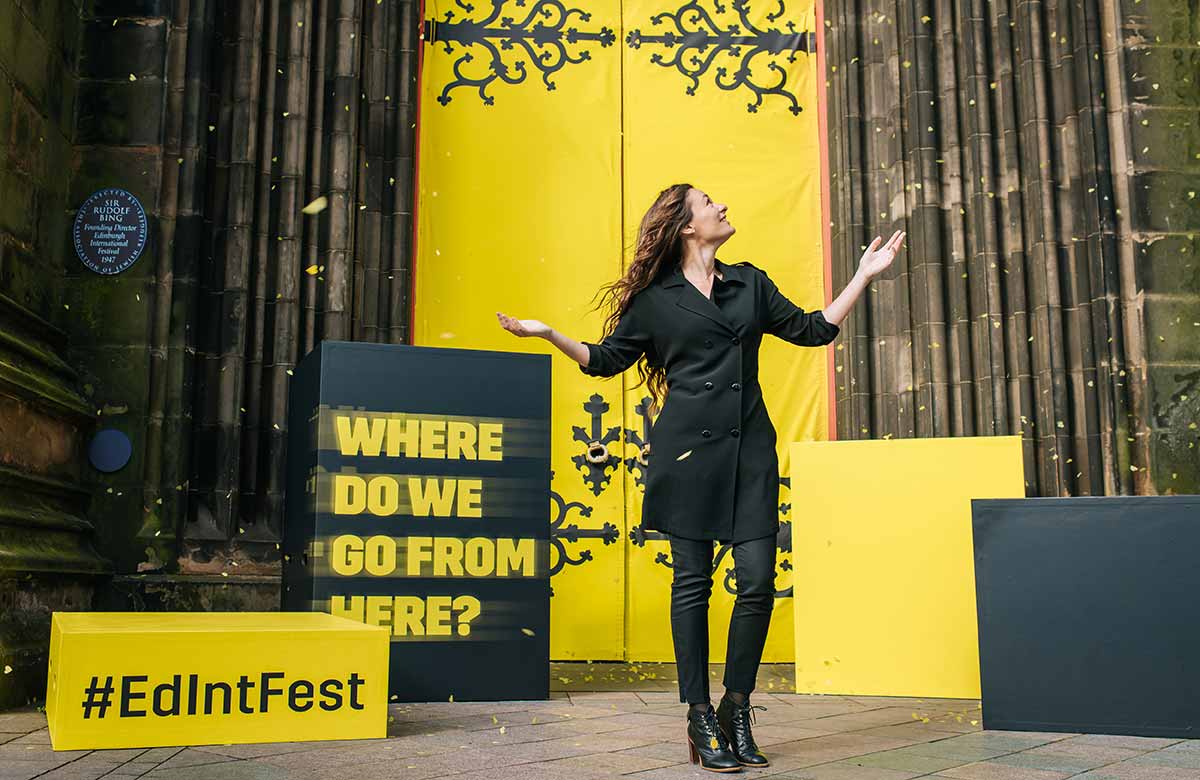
column 877, row 259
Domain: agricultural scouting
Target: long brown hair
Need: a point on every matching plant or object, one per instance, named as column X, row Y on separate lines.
column 659, row 251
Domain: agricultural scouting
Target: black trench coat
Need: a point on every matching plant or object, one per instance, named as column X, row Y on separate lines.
column 713, row 472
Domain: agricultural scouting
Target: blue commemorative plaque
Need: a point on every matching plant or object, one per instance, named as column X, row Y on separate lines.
column 110, row 231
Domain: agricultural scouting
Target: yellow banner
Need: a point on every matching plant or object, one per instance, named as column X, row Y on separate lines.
column 519, row 210
column 544, row 135
column 139, row 680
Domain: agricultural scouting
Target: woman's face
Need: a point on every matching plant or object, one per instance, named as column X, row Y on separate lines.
column 708, row 224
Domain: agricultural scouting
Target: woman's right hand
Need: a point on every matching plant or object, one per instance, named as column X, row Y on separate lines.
column 523, row 328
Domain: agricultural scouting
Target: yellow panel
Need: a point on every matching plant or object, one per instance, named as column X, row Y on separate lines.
column 148, row 679
column 885, row 575
column 520, row 211
column 765, row 166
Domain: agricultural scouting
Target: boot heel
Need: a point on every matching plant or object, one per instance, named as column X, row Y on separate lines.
column 693, row 756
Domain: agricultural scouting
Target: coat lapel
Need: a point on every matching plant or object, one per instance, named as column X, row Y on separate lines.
column 691, row 299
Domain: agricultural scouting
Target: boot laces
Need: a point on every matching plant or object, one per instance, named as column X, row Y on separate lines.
column 749, row 708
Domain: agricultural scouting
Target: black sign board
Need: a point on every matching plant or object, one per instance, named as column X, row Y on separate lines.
column 418, row 499
column 1087, row 614
column 110, row 231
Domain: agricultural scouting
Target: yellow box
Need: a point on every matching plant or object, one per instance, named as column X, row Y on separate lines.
column 885, row 572
column 143, row 679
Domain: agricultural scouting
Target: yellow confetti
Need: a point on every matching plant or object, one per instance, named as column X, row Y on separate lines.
column 527, row 631
column 452, row 698
column 503, row 729
column 317, row 206
column 684, row 455
column 311, row 270
column 132, row 77
column 495, row 719
column 7, row 669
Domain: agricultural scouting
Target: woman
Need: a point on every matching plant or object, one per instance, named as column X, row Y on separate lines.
column 693, row 324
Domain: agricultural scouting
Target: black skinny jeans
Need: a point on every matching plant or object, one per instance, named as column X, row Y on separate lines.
column 692, row 561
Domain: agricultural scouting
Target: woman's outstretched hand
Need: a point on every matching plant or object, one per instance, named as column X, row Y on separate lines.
column 877, row 259
column 523, row 328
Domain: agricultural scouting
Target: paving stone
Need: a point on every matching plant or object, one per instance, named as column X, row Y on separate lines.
column 233, row 770
column 592, row 725
column 22, row 721
column 1059, row 762
column 952, row 748
column 1101, row 754
column 1184, row 746
column 76, row 771
column 606, row 763
column 608, row 742
column 36, row 737
column 1184, row 759
column 766, row 736
column 911, row 732
column 660, row 697
column 259, row 750
column 515, row 734
column 907, row 762
column 1127, row 771
column 1120, row 741
column 623, row 733
column 680, row 772
column 118, row 755
column 990, row 770
column 194, row 757
column 885, row 716
column 1004, row 740
column 675, row 752
column 840, row 770
column 25, row 770
column 835, row 747
column 16, row 751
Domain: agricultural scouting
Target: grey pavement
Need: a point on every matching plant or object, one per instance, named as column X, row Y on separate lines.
column 623, row 720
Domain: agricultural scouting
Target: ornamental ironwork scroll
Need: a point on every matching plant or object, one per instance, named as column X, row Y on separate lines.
column 699, row 38
column 544, row 36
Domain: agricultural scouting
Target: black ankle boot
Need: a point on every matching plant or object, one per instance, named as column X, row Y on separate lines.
column 706, row 744
column 734, row 721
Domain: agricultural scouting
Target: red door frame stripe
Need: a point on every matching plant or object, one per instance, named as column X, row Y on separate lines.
column 827, row 249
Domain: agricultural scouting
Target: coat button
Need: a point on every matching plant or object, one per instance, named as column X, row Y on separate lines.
column 735, row 387
column 736, row 340
column 706, row 433
column 708, row 385
column 708, row 343
column 734, row 432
